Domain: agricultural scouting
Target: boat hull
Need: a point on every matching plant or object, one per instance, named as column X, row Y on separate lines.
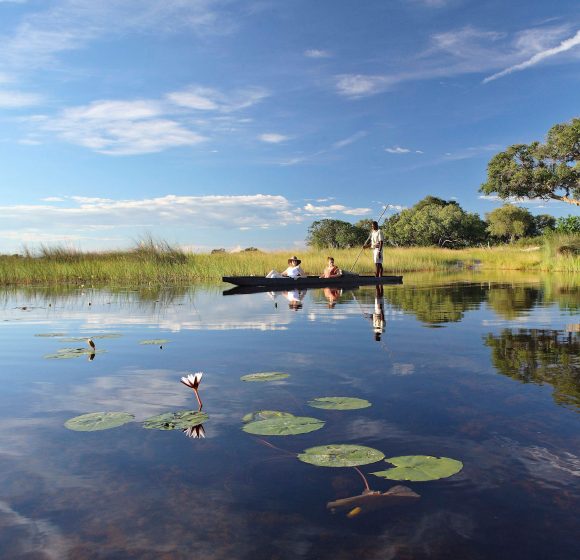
column 311, row 281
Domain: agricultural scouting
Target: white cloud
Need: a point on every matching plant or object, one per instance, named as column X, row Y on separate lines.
column 397, row 150
column 350, row 140
column 471, row 152
column 53, row 199
column 338, row 145
column 273, row 138
column 467, row 50
column 83, row 214
column 202, row 98
column 16, row 99
column 564, row 46
column 317, row 53
column 72, row 24
column 334, row 209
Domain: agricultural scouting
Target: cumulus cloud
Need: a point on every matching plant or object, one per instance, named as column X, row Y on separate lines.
column 355, row 86
column 334, row 209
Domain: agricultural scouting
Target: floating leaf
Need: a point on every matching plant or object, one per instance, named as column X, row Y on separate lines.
column 95, row 421
column 339, row 403
column 264, row 415
column 420, row 468
column 284, row 426
column 50, row 334
column 179, row 420
column 265, row 376
column 370, row 500
column 94, row 337
column 155, row 341
column 67, row 353
column 341, row 455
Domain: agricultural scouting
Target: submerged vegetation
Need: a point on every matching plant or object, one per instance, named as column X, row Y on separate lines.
column 162, row 264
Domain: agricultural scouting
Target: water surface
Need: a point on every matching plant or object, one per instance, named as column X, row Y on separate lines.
column 480, row 369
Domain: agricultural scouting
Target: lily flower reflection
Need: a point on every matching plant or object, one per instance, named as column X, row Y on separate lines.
column 192, row 381
column 195, row 432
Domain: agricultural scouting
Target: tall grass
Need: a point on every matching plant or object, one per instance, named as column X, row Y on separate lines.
column 158, row 263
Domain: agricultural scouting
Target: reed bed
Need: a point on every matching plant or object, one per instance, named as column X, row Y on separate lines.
column 157, row 263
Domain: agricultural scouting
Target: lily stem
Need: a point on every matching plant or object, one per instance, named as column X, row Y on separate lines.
column 367, row 487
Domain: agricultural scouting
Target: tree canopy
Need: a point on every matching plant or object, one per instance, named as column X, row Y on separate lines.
column 510, row 222
column 335, row 234
column 549, row 171
column 434, row 221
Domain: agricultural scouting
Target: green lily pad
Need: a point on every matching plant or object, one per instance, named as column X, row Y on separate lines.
column 179, row 420
column 50, row 334
column 155, row 341
column 265, row 376
column 341, row 455
column 339, row 403
column 67, row 353
column 95, row 421
column 94, row 337
column 419, row 468
column 264, row 415
column 284, row 426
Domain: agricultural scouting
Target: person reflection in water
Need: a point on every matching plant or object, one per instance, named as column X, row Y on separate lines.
column 332, row 295
column 379, row 314
column 294, row 298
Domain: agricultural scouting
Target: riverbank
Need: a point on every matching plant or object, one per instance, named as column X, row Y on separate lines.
column 166, row 265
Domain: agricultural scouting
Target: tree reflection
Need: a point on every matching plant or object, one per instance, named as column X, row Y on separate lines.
column 540, row 356
column 438, row 304
column 511, row 302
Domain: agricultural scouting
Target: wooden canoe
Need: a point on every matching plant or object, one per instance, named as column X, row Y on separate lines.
column 347, row 280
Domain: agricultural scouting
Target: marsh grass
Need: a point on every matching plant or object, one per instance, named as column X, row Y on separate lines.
column 158, row 263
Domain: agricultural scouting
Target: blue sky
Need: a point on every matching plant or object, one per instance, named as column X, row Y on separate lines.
column 222, row 123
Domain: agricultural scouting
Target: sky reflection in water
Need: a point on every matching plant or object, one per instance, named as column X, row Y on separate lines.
column 495, row 385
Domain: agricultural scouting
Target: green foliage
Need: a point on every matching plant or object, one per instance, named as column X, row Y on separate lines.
column 339, row 403
column 264, row 376
column 420, row 468
column 540, row 356
column 68, row 353
column 95, row 421
column 284, row 426
column 543, row 224
column 335, row 234
column 568, row 224
column 550, row 170
column 434, row 221
column 179, row 420
column 510, row 222
column 341, row 455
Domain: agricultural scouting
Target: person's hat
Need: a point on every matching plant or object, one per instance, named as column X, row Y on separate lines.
column 294, row 258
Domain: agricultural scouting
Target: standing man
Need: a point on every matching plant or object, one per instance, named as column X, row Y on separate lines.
column 377, row 246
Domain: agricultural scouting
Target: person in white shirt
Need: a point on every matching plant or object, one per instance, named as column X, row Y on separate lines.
column 294, row 270
column 377, row 247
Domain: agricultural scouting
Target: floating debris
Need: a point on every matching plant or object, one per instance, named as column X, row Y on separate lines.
column 370, row 500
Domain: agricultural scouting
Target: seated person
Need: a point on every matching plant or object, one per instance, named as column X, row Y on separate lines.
column 331, row 271
column 293, row 271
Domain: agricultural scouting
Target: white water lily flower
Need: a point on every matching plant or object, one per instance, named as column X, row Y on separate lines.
column 196, row 432
column 192, row 380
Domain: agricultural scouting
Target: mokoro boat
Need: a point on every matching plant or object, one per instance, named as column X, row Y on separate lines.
column 311, row 281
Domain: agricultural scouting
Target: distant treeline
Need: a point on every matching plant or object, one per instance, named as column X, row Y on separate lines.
column 442, row 223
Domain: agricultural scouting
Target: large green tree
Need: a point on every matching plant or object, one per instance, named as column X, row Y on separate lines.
column 433, row 221
column 549, row 171
column 510, row 222
column 335, row 234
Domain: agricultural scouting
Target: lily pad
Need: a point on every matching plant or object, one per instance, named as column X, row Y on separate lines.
column 50, row 334
column 179, row 420
column 420, row 468
column 155, row 341
column 284, row 426
column 339, row 403
column 94, row 337
column 341, row 455
column 95, row 421
column 264, row 415
column 265, row 376
column 67, row 353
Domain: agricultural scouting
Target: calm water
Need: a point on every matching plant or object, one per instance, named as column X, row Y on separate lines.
column 482, row 371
